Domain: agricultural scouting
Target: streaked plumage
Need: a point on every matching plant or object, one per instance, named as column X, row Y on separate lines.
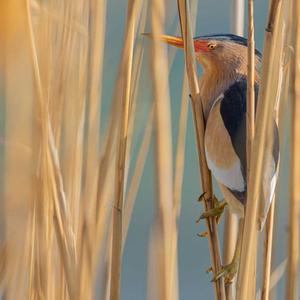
column 225, row 145
column 223, row 88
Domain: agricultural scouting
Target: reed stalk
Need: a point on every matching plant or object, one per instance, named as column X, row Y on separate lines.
column 180, row 155
column 141, row 157
column 165, row 227
column 250, row 85
column 121, row 152
column 292, row 289
column 199, row 130
column 264, row 115
column 230, row 220
column 267, row 254
column 96, row 52
column 280, row 79
column 137, row 173
column 182, row 124
column 16, row 193
column 250, row 117
column 180, row 150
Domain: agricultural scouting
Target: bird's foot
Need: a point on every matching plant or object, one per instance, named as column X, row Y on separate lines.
column 228, row 272
column 217, row 211
column 202, row 197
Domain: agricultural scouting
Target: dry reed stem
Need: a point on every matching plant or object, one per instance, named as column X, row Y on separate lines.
column 62, row 222
column 178, row 180
column 17, row 183
column 121, row 152
column 230, row 220
column 105, row 291
column 105, row 183
column 267, row 255
column 74, row 91
column 97, row 39
column 88, row 204
column 133, row 186
column 96, row 52
column 250, row 117
column 199, row 130
column 179, row 161
column 63, row 65
column 292, row 289
column 229, row 244
column 279, row 79
column 67, row 97
column 275, row 277
column 137, row 173
column 264, row 115
column 180, row 149
column 278, row 273
column 182, row 125
column 42, row 214
column 250, row 84
column 165, row 227
column 96, row 225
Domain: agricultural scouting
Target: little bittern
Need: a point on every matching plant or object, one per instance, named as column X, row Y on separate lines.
column 223, row 89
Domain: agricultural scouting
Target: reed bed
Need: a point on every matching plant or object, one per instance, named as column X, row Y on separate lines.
column 73, row 158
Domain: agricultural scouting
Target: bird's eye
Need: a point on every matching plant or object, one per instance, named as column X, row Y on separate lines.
column 211, row 46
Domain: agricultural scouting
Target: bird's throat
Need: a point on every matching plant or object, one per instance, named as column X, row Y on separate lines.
column 212, row 85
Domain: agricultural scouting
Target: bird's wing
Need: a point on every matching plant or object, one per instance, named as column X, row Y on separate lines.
column 225, row 142
column 222, row 158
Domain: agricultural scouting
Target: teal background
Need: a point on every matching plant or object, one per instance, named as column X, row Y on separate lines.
column 213, row 17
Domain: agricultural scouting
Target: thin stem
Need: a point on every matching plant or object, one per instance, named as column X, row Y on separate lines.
column 164, row 228
column 250, row 130
column 293, row 247
column 250, row 85
column 121, row 155
column 267, row 255
column 231, row 221
column 65, row 235
column 199, row 130
column 265, row 111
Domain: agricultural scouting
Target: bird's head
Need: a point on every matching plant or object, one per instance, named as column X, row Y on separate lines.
column 217, row 50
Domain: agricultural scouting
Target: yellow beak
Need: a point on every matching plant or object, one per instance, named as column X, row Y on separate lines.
column 171, row 40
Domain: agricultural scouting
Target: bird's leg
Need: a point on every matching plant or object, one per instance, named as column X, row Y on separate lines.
column 229, row 271
column 216, row 211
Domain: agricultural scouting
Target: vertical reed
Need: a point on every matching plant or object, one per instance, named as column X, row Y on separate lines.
column 264, row 114
column 250, row 84
column 250, row 116
column 230, row 221
column 292, row 289
column 267, row 254
column 16, row 195
column 121, row 153
column 199, row 129
column 165, row 227
column 280, row 80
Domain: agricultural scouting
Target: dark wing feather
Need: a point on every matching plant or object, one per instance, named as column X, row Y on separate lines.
column 233, row 112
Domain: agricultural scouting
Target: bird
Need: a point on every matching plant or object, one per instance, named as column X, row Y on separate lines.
column 223, row 90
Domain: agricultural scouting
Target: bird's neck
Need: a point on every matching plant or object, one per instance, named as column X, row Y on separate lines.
column 216, row 80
